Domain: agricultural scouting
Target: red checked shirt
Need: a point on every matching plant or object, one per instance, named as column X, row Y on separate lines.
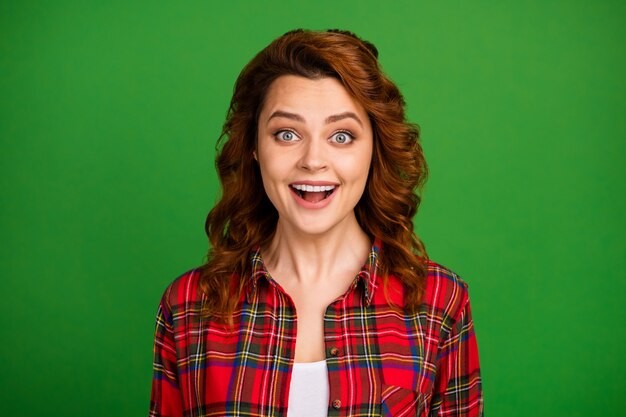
column 380, row 362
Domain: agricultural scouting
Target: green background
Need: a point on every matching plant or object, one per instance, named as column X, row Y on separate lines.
column 109, row 112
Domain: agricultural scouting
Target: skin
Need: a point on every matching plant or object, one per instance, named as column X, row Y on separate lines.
column 315, row 253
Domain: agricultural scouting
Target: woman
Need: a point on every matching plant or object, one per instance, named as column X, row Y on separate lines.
column 317, row 298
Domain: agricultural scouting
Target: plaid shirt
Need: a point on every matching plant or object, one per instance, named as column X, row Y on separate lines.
column 379, row 362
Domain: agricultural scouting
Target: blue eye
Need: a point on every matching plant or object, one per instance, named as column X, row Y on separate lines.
column 343, row 137
column 285, row 135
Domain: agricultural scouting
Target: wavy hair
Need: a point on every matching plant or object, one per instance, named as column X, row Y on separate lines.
column 244, row 217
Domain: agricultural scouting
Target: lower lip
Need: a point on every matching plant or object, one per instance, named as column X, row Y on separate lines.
column 309, row 204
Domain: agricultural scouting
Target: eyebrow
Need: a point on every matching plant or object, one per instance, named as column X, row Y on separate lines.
column 329, row 119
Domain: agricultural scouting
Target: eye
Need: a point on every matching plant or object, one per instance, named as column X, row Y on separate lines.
column 343, row 137
column 285, row 135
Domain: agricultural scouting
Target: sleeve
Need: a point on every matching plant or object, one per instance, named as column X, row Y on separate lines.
column 165, row 398
column 458, row 385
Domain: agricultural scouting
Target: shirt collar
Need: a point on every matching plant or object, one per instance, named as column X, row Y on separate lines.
column 368, row 274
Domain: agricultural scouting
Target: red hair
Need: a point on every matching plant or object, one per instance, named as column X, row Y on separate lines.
column 244, row 217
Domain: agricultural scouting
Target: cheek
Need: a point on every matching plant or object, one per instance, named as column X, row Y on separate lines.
column 273, row 176
column 357, row 167
column 267, row 177
column 270, row 189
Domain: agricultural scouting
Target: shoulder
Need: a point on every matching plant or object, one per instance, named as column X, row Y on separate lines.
column 445, row 293
column 183, row 291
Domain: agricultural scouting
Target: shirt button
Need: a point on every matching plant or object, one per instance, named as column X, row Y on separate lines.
column 334, row 351
column 336, row 404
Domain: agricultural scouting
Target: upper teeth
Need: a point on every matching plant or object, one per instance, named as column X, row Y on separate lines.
column 313, row 188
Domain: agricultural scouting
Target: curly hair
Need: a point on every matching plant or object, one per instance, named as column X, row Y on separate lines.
column 244, row 217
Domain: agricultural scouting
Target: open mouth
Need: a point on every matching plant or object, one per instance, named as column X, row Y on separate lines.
column 313, row 194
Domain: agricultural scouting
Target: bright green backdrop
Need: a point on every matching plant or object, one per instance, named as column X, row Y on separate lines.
column 109, row 112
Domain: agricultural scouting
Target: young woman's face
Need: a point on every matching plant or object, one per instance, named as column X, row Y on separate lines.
column 314, row 149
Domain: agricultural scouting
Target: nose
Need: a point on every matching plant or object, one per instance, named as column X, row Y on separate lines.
column 313, row 156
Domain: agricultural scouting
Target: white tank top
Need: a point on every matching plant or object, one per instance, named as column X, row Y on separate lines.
column 308, row 392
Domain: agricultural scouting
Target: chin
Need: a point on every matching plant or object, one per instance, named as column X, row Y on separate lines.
column 317, row 226
column 314, row 230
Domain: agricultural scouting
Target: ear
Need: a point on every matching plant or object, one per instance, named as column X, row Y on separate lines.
column 254, row 155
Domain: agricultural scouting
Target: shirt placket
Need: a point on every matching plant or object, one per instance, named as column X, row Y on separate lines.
column 335, row 351
column 349, row 385
column 284, row 351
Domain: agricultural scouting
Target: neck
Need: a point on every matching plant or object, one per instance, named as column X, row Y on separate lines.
column 312, row 260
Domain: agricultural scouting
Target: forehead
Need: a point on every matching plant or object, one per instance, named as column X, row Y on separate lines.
column 324, row 96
